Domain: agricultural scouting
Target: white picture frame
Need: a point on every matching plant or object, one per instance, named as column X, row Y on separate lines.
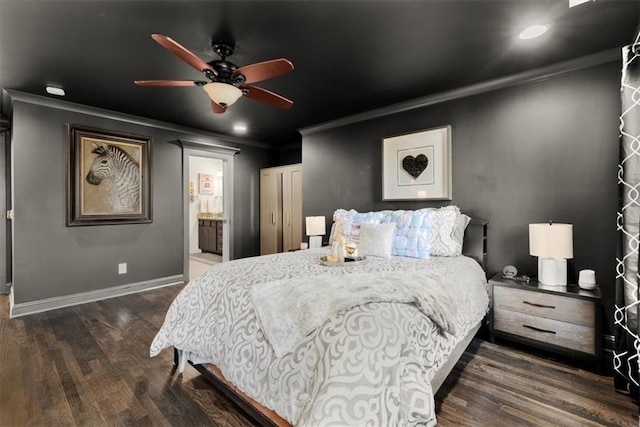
column 206, row 184
column 417, row 166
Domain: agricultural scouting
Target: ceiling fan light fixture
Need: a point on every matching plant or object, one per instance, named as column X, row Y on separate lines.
column 533, row 31
column 222, row 94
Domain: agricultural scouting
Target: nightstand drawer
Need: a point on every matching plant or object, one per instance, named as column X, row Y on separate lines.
column 556, row 307
column 562, row 334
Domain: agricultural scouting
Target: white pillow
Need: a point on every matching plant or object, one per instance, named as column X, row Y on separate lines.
column 376, row 239
column 462, row 221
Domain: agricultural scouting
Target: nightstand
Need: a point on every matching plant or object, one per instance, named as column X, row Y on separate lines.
column 564, row 320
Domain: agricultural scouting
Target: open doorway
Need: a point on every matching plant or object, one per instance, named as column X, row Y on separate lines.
column 208, row 214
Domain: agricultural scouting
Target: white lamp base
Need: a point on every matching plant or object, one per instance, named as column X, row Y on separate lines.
column 315, row 242
column 552, row 271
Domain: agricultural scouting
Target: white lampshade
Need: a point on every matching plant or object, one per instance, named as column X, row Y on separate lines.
column 316, row 226
column 222, row 94
column 551, row 240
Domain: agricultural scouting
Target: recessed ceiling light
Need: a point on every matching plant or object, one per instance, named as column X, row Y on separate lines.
column 240, row 128
column 55, row 91
column 533, row 31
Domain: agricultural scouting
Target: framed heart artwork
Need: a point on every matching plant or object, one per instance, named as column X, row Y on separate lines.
column 417, row 166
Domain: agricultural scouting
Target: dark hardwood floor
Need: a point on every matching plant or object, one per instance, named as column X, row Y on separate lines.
column 506, row 385
column 89, row 365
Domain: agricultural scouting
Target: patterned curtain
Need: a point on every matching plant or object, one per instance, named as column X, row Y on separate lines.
column 627, row 352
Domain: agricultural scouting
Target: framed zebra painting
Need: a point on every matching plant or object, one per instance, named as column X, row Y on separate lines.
column 108, row 177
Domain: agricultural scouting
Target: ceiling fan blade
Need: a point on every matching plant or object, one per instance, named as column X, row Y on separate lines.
column 182, row 53
column 262, row 95
column 217, row 108
column 264, row 70
column 165, row 82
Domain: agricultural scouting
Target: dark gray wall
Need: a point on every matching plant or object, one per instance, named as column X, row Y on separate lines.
column 53, row 260
column 290, row 155
column 530, row 153
column 246, row 199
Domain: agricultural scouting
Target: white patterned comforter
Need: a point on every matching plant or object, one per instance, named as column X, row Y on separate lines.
column 369, row 365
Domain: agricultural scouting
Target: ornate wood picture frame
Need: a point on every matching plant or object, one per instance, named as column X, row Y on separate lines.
column 417, row 166
column 108, row 177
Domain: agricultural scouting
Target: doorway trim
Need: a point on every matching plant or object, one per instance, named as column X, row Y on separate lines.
column 226, row 154
column 6, row 240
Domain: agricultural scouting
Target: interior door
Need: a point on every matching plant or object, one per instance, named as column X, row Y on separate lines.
column 270, row 192
column 292, row 208
column 280, row 209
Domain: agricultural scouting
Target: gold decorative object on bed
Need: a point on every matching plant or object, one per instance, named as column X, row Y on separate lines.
column 351, row 249
column 329, row 261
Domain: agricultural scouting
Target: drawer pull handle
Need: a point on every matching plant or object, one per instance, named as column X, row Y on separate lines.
column 539, row 330
column 538, row 305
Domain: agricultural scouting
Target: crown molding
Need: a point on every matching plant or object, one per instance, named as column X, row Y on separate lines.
column 15, row 95
column 525, row 77
column 202, row 145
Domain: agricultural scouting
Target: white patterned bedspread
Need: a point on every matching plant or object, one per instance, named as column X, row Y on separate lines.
column 369, row 365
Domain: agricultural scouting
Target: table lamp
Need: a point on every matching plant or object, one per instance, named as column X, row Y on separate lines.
column 316, row 227
column 553, row 245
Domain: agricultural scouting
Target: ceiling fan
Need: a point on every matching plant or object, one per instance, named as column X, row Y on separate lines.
column 226, row 82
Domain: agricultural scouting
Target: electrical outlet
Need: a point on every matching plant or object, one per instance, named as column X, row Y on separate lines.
column 122, row 268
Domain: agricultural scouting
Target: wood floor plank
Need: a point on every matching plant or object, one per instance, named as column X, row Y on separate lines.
column 89, row 365
column 548, row 393
column 532, row 390
column 84, row 406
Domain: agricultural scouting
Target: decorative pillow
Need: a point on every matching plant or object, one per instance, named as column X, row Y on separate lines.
column 348, row 223
column 376, row 239
column 442, row 224
column 462, row 221
column 411, row 238
column 426, row 232
column 419, row 234
column 450, row 245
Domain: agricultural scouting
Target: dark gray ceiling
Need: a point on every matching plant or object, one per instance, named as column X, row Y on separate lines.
column 349, row 56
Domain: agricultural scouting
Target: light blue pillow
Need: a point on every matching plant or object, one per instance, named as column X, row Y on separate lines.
column 412, row 235
column 429, row 232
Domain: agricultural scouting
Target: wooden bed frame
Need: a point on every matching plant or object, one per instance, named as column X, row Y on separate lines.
column 475, row 246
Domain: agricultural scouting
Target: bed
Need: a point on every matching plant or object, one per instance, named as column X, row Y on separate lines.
column 292, row 342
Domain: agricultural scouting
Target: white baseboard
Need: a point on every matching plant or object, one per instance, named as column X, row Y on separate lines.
column 32, row 307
